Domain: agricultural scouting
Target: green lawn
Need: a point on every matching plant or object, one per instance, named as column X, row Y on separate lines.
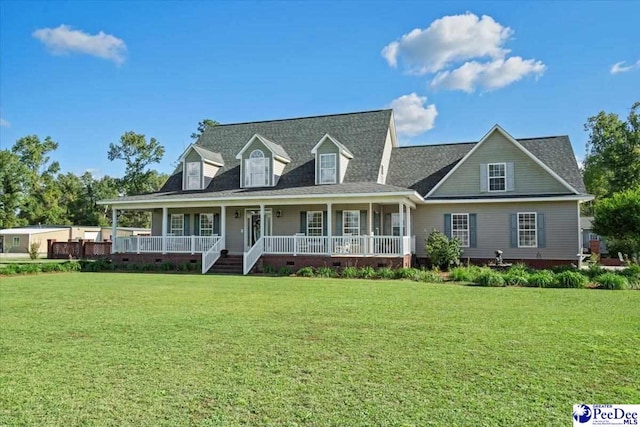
column 136, row 349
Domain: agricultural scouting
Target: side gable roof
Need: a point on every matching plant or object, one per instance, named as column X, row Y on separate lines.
column 343, row 150
column 276, row 149
column 497, row 128
column 364, row 133
column 207, row 155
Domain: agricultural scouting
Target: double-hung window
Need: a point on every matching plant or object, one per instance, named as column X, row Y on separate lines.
column 176, row 225
column 351, row 223
column 206, row 224
column 314, row 223
column 497, row 176
column 460, row 228
column 256, row 170
column 328, row 168
column 395, row 224
column 527, row 230
column 16, row 241
column 194, row 177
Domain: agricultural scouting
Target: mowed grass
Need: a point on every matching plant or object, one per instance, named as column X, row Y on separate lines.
column 138, row 349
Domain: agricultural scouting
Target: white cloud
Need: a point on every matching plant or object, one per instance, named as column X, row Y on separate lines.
column 487, row 76
column 448, row 40
column 618, row 67
column 64, row 39
column 412, row 117
column 4, row 123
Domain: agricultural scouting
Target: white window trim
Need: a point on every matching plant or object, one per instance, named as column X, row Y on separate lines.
column 468, row 229
column 248, row 181
column 13, row 241
column 535, row 230
column 310, row 214
column 344, row 214
column 171, row 228
column 335, row 168
column 198, row 175
column 200, row 228
column 504, row 165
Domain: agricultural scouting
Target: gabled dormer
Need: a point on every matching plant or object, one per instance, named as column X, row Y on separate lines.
column 199, row 166
column 332, row 159
column 262, row 162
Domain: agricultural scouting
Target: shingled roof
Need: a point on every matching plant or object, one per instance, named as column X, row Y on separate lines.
column 362, row 133
column 422, row 167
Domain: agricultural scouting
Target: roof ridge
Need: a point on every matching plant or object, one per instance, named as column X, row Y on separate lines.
column 302, row 118
column 436, row 145
column 542, row 137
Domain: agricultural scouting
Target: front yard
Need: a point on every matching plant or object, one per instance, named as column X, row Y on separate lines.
column 133, row 349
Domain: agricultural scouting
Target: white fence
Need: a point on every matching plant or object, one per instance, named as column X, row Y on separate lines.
column 165, row 244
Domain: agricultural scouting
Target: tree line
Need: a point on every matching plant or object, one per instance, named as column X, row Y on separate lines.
column 34, row 191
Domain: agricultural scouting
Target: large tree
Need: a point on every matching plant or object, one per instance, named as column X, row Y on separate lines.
column 202, row 126
column 618, row 218
column 612, row 161
column 12, row 189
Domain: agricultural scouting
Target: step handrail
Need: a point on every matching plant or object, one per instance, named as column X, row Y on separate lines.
column 252, row 256
column 212, row 255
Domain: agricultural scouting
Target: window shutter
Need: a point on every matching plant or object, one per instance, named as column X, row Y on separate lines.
column 324, row 223
column 510, row 177
column 185, row 232
column 338, row 229
column 363, row 223
column 386, row 230
column 447, row 225
column 514, row 230
column 303, row 222
column 473, row 239
column 542, row 238
column 196, row 224
column 483, row 178
column 216, row 224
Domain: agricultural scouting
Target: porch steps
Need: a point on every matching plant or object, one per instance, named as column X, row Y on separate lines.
column 232, row 264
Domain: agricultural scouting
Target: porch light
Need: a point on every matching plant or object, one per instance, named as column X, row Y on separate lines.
column 237, row 214
column 278, row 213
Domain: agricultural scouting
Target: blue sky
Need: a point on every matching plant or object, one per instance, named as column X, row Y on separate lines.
column 86, row 72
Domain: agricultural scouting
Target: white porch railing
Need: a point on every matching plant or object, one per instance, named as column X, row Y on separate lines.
column 338, row 245
column 165, row 244
column 252, row 255
column 211, row 256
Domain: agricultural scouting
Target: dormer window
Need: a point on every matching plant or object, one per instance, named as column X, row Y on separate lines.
column 199, row 166
column 497, row 175
column 328, row 168
column 256, row 170
column 194, row 176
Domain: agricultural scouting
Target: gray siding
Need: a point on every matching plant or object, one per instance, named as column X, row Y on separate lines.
column 529, row 177
column 493, row 228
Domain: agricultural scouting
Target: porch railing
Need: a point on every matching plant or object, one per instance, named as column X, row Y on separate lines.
column 211, row 256
column 165, row 244
column 252, row 256
column 338, row 245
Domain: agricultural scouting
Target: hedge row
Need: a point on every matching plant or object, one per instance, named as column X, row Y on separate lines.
column 560, row 277
column 368, row 272
column 44, row 267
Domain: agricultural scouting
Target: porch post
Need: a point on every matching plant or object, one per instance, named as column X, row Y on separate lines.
column 114, row 229
column 401, row 220
column 329, row 228
column 370, row 229
column 223, row 223
column 261, row 221
column 164, row 229
column 408, row 233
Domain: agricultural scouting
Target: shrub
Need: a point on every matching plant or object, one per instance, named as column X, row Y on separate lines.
column 571, row 279
column 349, row 272
column 443, row 252
column 34, row 249
column 184, row 266
column 407, row 273
column 285, row 271
column 305, row 272
column 611, row 281
column 516, row 278
column 325, row 271
column 463, row 274
column 269, row 269
column 431, row 276
column 542, row 279
column 490, row 278
column 594, row 270
column 385, row 273
column 367, row 272
column 519, row 268
column 562, row 268
column 167, row 266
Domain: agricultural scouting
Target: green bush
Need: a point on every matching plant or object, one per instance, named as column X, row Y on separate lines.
column 385, row 273
column 442, row 251
column 516, row 278
column 167, row 266
column 464, row 274
column 542, row 279
column 305, row 272
column 611, row 281
column 429, row 276
column 285, row 271
column 571, row 279
column 594, row 271
column 325, row 271
column 557, row 269
column 34, row 249
column 490, row 278
column 407, row 273
column 184, row 266
column 367, row 272
column 349, row 272
column 268, row 269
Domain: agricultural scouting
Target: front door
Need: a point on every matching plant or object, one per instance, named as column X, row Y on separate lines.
column 252, row 226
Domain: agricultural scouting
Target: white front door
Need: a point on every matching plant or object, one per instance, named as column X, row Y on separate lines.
column 252, row 226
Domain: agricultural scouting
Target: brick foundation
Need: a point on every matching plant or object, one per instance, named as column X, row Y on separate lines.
column 154, row 258
column 299, row 261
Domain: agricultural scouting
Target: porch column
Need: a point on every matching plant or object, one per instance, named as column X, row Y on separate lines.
column 408, row 233
column 329, row 228
column 261, row 221
column 223, row 224
column 165, row 214
column 370, row 229
column 114, row 229
column 401, row 224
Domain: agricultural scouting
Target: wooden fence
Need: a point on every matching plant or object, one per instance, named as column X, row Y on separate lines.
column 80, row 249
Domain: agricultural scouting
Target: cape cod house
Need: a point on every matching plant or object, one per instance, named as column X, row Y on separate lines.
column 338, row 190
